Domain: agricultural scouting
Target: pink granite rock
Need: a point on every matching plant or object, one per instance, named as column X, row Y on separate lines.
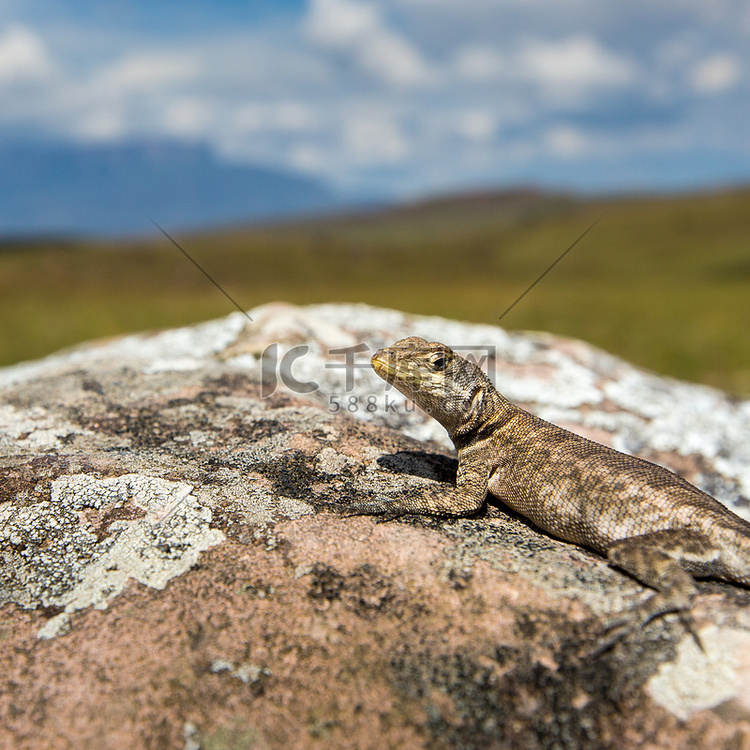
column 173, row 571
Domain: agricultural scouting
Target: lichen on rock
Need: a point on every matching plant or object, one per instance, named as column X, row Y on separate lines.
column 82, row 546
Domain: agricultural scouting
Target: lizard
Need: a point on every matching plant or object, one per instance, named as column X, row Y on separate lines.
column 646, row 520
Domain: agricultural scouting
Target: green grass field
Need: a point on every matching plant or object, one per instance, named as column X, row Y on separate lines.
column 661, row 281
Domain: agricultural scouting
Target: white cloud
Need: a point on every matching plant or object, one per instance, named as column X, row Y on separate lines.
column 135, row 94
column 565, row 69
column 478, row 62
column 309, row 157
column 565, row 141
column 578, row 61
column 372, row 137
column 188, row 117
column 340, row 23
column 282, row 116
column 149, row 71
column 23, row 56
column 100, row 124
column 359, row 30
column 395, row 60
column 715, row 74
column 476, row 125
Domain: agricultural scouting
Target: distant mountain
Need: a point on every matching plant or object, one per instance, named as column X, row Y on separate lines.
column 111, row 189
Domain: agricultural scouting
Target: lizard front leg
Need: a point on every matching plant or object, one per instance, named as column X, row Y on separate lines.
column 466, row 498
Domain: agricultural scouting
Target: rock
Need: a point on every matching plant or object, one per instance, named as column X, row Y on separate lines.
column 174, row 572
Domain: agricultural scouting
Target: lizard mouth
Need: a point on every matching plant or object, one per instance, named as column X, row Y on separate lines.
column 382, row 367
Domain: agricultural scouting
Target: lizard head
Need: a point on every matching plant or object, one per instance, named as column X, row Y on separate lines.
column 439, row 381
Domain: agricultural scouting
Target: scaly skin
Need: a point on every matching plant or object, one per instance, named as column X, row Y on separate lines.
column 647, row 521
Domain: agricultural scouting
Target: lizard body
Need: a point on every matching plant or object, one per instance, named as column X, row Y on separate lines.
column 648, row 521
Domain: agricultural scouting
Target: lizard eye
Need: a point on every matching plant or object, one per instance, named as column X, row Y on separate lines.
column 438, row 362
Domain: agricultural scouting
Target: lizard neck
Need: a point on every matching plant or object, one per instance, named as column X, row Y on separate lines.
column 489, row 412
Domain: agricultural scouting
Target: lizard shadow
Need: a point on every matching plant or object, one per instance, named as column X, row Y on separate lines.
column 435, row 466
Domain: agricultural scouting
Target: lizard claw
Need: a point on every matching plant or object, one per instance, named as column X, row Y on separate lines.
column 613, row 634
column 616, row 628
column 688, row 622
column 386, row 509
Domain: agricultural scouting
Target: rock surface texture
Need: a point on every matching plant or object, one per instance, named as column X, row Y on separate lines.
column 173, row 572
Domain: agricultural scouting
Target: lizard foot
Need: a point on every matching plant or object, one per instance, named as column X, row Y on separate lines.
column 656, row 559
column 619, row 626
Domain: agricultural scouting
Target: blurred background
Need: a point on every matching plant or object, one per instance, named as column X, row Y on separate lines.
column 429, row 155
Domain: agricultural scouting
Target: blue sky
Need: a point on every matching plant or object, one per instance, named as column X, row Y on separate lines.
column 398, row 97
